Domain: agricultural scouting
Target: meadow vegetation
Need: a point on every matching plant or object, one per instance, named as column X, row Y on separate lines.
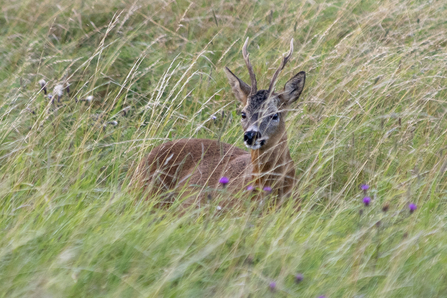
column 144, row 72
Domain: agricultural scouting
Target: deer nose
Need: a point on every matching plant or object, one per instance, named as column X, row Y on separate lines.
column 251, row 136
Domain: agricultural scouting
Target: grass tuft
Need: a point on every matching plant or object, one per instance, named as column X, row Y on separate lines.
column 123, row 77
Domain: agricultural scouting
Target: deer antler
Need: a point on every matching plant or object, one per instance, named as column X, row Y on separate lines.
column 250, row 68
column 281, row 67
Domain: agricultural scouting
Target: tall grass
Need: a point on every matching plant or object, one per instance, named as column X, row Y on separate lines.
column 373, row 111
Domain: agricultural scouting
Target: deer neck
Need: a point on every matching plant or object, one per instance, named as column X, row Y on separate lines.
column 271, row 164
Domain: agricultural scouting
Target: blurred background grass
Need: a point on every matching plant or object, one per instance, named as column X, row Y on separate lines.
column 372, row 112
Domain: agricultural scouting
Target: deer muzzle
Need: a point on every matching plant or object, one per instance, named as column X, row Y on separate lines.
column 250, row 137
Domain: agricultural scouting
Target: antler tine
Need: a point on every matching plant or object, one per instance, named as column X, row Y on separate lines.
column 250, row 68
column 281, row 67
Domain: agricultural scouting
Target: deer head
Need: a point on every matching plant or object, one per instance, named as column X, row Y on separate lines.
column 264, row 111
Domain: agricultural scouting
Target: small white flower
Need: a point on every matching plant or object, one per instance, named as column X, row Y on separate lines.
column 43, row 86
column 114, row 123
column 89, row 98
column 42, row 83
column 58, row 90
column 213, row 117
column 219, row 208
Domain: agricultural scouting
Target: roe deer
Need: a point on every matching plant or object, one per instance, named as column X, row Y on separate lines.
column 201, row 162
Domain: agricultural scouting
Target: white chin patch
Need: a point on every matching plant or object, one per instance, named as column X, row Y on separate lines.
column 253, row 147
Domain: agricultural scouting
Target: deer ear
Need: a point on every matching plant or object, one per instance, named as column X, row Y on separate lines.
column 293, row 88
column 240, row 89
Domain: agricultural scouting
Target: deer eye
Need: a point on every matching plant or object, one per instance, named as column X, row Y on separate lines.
column 275, row 117
column 243, row 115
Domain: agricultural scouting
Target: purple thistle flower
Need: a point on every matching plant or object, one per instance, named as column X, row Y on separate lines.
column 250, row 188
column 224, row 180
column 267, row 189
column 272, row 286
column 366, row 201
column 298, row 278
column 412, row 207
column 365, row 188
column 322, row 296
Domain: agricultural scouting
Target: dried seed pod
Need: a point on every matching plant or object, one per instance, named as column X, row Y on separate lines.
column 385, row 207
